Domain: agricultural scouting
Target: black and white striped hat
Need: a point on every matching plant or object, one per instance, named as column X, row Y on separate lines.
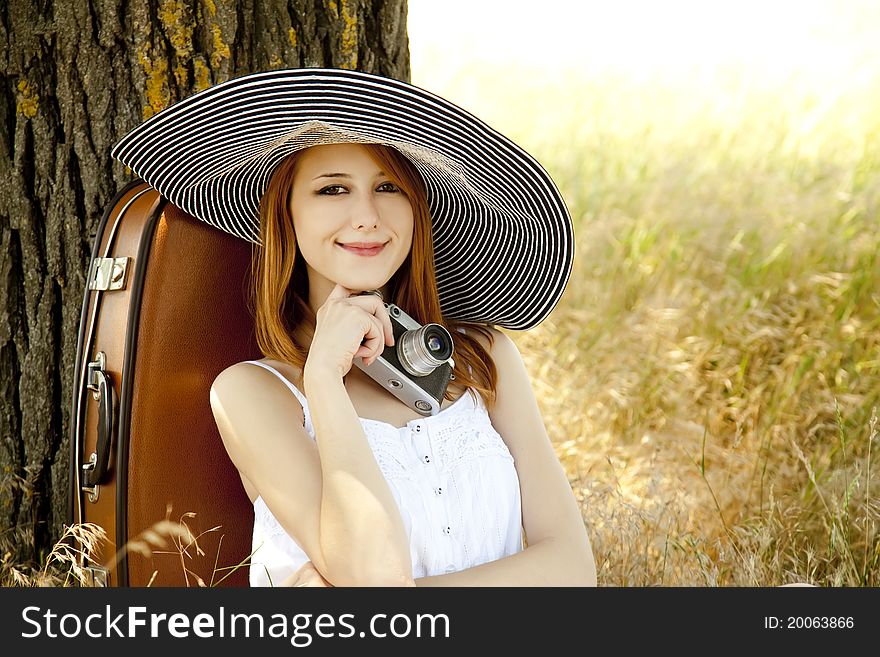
column 503, row 237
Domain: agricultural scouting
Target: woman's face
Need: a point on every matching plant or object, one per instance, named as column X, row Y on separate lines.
column 353, row 225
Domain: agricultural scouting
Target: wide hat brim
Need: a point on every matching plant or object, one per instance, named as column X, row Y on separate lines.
column 503, row 237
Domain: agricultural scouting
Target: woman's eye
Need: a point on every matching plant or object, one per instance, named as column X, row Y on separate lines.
column 388, row 187
column 332, row 190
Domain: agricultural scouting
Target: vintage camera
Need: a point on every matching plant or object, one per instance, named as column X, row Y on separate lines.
column 418, row 368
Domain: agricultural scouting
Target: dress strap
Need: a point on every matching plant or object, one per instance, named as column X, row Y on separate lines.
column 296, row 392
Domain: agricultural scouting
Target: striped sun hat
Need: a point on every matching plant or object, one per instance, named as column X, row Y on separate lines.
column 503, row 237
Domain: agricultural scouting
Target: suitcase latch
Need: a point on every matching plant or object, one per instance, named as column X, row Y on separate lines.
column 96, row 576
column 93, row 491
column 108, row 273
column 96, row 369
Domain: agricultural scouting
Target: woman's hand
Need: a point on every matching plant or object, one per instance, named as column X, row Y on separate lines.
column 348, row 327
column 307, row 575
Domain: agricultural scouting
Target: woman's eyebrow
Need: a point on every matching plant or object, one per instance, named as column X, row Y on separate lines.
column 379, row 174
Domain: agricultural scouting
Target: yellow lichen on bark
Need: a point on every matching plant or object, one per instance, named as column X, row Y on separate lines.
column 348, row 46
column 348, row 56
column 28, row 100
column 174, row 16
column 291, row 34
column 178, row 24
column 202, row 74
column 220, row 49
column 211, row 7
column 156, row 90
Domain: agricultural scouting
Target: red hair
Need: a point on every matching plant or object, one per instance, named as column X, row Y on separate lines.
column 279, row 280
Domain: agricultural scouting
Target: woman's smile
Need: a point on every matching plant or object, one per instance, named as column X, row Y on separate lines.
column 363, row 248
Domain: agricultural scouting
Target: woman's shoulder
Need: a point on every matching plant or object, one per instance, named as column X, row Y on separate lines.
column 250, row 383
column 510, row 368
column 495, row 341
column 247, row 372
column 248, row 394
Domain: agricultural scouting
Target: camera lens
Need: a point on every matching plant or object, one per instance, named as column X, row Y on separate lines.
column 422, row 350
column 438, row 342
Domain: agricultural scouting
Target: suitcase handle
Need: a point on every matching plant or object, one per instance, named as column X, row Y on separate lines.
column 99, row 464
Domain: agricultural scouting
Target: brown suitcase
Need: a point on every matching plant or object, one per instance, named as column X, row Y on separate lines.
column 164, row 312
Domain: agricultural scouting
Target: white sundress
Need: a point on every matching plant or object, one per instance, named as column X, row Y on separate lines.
column 454, row 482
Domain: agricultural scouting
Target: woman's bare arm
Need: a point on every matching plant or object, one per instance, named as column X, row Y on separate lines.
column 330, row 497
column 361, row 526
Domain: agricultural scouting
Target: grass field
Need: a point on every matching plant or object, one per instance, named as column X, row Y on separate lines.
column 711, row 376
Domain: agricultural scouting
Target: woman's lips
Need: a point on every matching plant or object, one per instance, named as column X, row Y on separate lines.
column 363, row 249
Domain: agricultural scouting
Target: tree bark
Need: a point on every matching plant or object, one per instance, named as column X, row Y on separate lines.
column 77, row 76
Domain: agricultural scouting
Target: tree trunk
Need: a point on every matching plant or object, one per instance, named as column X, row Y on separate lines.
column 77, row 76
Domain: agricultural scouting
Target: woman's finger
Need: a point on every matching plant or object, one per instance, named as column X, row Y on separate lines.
column 292, row 580
column 340, row 292
column 374, row 341
column 308, row 575
column 374, row 305
column 305, row 575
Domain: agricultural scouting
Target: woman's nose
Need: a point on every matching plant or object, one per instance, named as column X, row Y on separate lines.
column 365, row 215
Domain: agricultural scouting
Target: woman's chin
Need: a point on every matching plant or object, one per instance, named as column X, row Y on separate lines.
column 362, row 285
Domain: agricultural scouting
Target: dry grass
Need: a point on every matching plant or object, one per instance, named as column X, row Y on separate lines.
column 711, row 376
column 80, row 543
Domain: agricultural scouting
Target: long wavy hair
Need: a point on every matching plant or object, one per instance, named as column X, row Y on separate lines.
column 279, row 284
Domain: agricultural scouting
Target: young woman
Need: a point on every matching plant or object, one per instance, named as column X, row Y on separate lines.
column 418, row 201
